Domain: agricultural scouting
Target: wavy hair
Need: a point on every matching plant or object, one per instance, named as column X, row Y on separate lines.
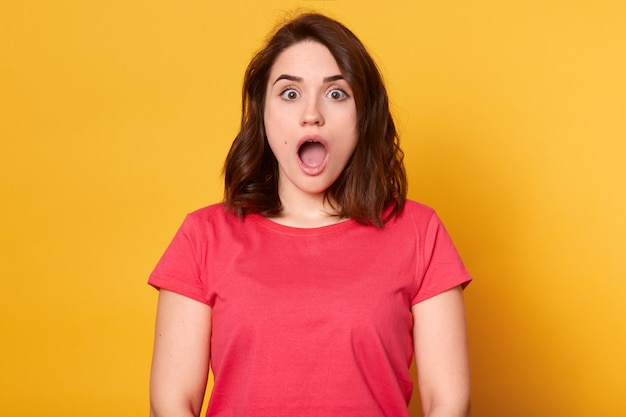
column 372, row 187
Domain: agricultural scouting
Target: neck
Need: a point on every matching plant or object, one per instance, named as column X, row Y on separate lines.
column 306, row 210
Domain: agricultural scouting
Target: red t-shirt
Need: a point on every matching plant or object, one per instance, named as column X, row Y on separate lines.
column 310, row 322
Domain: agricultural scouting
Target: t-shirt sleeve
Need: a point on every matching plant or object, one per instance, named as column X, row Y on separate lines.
column 179, row 269
column 442, row 267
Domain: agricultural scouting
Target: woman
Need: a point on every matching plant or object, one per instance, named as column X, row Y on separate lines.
column 309, row 289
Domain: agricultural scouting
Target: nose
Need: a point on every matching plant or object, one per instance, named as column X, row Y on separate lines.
column 312, row 112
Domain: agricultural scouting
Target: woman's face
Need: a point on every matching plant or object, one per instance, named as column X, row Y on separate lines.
column 310, row 118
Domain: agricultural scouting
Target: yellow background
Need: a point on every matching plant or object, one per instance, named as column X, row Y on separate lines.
column 115, row 117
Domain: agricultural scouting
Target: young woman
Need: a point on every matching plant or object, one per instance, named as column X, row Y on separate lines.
column 311, row 287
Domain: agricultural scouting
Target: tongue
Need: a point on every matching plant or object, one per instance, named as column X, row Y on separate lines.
column 312, row 153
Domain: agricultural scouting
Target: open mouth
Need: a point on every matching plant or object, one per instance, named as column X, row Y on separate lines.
column 312, row 153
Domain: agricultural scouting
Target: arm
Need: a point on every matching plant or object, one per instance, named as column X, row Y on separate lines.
column 441, row 355
column 180, row 363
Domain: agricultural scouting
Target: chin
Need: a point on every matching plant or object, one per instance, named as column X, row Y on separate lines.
column 314, row 189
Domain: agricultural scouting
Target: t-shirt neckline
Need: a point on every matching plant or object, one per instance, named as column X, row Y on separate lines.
column 302, row 231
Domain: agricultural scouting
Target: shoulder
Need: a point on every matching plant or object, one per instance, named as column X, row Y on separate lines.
column 416, row 213
column 214, row 215
column 209, row 212
column 417, row 208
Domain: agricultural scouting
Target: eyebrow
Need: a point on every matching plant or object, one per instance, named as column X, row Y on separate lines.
column 299, row 79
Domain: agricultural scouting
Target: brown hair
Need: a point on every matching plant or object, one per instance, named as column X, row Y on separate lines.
column 374, row 178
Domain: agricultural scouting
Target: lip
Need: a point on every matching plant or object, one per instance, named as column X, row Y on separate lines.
column 318, row 169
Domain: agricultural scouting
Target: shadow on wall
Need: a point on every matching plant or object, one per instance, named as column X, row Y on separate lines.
column 474, row 192
column 415, row 406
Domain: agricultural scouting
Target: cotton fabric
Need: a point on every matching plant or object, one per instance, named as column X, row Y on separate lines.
column 310, row 322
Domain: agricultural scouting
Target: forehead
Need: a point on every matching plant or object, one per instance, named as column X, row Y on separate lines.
column 305, row 57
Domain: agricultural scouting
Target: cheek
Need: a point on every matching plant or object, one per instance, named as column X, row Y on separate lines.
column 355, row 129
column 275, row 135
column 351, row 118
column 273, row 120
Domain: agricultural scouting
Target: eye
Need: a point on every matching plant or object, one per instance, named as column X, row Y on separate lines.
column 289, row 94
column 336, row 94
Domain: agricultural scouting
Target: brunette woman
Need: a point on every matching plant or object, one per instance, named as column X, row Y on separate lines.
column 310, row 288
